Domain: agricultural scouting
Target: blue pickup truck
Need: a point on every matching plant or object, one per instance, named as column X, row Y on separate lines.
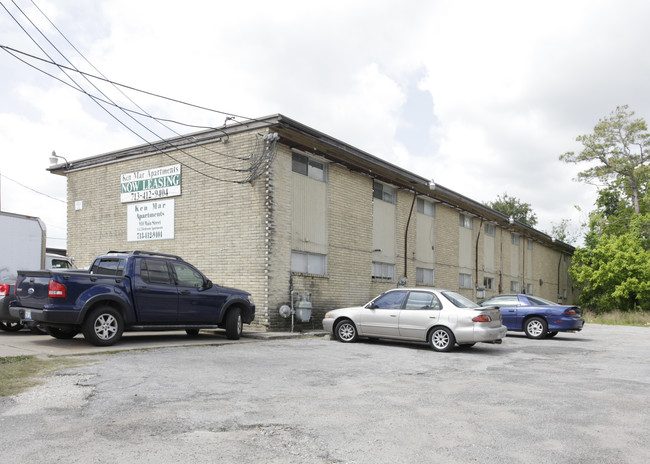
column 136, row 291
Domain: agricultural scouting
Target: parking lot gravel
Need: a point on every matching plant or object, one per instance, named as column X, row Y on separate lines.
column 576, row 398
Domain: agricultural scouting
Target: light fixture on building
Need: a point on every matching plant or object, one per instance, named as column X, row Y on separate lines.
column 511, row 220
column 54, row 159
column 432, row 184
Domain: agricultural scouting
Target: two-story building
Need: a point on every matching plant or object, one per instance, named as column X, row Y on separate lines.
column 279, row 209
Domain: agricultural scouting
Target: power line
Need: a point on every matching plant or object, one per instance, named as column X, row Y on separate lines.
column 33, row 190
column 127, row 112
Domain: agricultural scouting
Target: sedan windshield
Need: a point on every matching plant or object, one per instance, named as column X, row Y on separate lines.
column 459, row 300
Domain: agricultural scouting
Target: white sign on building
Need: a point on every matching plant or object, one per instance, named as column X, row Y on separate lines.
column 152, row 220
column 151, row 184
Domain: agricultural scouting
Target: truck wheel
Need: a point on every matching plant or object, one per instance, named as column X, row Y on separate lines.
column 233, row 324
column 103, row 326
column 10, row 326
column 61, row 334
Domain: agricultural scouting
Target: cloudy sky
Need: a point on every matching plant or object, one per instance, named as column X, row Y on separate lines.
column 480, row 96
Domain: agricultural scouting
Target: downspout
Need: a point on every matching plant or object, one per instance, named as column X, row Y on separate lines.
column 406, row 235
column 523, row 265
column 478, row 236
column 559, row 263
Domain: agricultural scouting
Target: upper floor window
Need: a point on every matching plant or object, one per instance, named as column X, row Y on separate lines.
column 529, row 244
column 384, row 192
column 490, row 230
column 514, row 238
column 426, row 207
column 308, row 167
column 465, row 221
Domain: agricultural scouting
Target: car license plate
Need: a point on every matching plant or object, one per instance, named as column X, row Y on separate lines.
column 28, row 315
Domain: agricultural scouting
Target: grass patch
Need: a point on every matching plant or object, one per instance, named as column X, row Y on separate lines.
column 18, row 373
column 634, row 318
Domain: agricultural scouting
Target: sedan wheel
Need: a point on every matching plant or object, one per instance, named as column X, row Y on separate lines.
column 346, row 331
column 536, row 328
column 441, row 339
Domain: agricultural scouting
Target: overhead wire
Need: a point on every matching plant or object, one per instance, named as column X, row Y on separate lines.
column 110, row 102
column 4, row 176
column 144, row 113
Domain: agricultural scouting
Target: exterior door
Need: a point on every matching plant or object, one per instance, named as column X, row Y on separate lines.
column 156, row 296
column 421, row 311
column 381, row 317
column 196, row 302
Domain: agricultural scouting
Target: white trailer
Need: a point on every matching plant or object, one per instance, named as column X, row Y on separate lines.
column 22, row 241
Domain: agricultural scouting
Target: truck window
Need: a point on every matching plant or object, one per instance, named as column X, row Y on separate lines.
column 108, row 266
column 155, row 271
column 187, row 276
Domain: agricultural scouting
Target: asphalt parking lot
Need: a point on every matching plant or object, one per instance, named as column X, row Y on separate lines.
column 577, row 398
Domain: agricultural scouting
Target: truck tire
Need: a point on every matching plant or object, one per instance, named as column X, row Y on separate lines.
column 233, row 324
column 103, row 326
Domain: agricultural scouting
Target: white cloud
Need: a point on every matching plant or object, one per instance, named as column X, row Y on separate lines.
column 509, row 84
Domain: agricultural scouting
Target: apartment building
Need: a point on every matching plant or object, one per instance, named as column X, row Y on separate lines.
column 282, row 210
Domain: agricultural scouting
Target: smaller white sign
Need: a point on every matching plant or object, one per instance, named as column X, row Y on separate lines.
column 152, row 220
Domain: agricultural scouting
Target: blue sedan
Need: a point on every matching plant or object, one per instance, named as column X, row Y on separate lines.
column 537, row 317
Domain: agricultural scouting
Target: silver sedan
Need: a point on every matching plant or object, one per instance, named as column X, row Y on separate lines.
column 440, row 317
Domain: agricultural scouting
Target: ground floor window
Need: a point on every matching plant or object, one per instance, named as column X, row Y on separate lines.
column 424, row 276
column 383, row 271
column 488, row 283
column 529, row 289
column 308, row 263
column 465, row 280
column 514, row 286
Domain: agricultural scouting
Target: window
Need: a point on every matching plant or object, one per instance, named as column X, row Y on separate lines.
column 514, row 286
column 422, row 300
column 187, row 276
column 424, row 276
column 529, row 289
column 426, row 207
column 383, row 271
column 514, row 238
column 308, row 263
column 529, row 244
column 490, row 230
column 488, row 283
column 308, row 167
column 154, row 271
column 505, row 300
column 465, row 221
column 108, row 266
column 465, row 280
column 384, row 192
column 389, row 300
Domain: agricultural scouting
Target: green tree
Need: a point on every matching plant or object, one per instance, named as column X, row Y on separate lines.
column 617, row 155
column 614, row 273
column 511, row 206
column 563, row 232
